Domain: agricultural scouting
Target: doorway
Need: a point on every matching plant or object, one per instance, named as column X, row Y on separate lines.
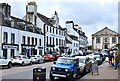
column 106, row 46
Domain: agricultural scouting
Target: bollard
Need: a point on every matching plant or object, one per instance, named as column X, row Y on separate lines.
column 39, row 74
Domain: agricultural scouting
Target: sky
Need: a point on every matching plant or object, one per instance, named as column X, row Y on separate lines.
column 90, row 15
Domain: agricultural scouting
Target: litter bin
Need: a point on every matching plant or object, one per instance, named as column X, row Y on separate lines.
column 39, row 74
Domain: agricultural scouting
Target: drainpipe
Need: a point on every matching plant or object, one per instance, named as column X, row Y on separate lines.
column 0, row 40
column 44, row 31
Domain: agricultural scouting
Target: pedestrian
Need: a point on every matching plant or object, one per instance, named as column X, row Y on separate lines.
column 116, row 57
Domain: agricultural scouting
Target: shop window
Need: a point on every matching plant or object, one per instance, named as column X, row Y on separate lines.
column 5, row 53
column 12, row 53
column 5, row 37
column 12, row 38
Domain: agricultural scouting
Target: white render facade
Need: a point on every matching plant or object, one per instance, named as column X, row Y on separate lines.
column 104, row 39
column 18, row 36
column 54, row 34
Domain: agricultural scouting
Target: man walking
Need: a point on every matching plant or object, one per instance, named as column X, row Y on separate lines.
column 116, row 60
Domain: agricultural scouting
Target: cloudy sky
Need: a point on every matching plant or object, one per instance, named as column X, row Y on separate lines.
column 91, row 15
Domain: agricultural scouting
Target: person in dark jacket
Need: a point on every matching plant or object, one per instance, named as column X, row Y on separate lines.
column 116, row 60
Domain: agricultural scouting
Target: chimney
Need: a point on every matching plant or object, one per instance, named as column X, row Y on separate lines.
column 5, row 9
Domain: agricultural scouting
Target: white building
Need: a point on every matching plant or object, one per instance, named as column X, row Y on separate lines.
column 76, row 38
column 104, row 39
column 72, row 42
column 18, row 36
column 54, row 34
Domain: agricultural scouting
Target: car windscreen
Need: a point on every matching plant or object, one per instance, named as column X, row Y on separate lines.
column 64, row 61
column 81, row 60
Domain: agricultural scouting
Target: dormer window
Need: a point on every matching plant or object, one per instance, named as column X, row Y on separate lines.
column 12, row 23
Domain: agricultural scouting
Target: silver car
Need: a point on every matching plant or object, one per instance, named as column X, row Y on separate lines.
column 37, row 59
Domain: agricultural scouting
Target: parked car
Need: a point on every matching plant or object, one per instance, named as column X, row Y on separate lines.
column 84, row 64
column 104, row 52
column 98, row 59
column 5, row 62
column 49, row 57
column 37, row 59
column 56, row 55
column 65, row 67
column 22, row 60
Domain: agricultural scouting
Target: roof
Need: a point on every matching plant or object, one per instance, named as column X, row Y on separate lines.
column 45, row 19
column 106, row 28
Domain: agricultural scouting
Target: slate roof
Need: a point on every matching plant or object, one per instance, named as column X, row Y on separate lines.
column 44, row 19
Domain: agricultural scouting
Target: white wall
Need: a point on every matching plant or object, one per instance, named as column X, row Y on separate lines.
column 10, row 30
column 30, row 34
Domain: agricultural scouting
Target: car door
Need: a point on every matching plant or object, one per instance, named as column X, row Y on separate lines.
column 3, row 61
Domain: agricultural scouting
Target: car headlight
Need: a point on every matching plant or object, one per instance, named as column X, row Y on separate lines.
column 53, row 68
column 66, row 70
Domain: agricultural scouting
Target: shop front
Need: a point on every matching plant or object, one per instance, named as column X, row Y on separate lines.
column 28, row 50
column 9, row 50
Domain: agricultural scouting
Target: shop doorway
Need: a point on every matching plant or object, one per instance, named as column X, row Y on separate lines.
column 5, row 53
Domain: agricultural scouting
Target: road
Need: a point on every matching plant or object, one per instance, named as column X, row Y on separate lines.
column 24, row 72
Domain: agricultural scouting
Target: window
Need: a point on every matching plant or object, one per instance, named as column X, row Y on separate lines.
column 56, row 41
column 5, row 37
column 47, row 39
column 50, row 29
column 47, row 28
column 50, row 40
column 12, row 53
column 32, row 40
column 113, row 39
column 53, row 30
column 23, row 39
column 59, row 42
column 105, row 39
column 59, row 32
column 97, row 40
column 39, row 42
column 28, row 40
column 12, row 38
column 56, row 31
column 35, row 41
column 53, row 40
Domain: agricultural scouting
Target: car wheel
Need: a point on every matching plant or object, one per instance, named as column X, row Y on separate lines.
column 30, row 62
column 23, row 64
column 84, row 71
column 9, row 65
column 51, row 77
column 38, row 61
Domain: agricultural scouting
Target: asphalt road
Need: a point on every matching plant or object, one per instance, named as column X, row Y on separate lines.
column 24, row 72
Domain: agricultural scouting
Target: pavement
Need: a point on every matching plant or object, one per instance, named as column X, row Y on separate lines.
column 105, row 72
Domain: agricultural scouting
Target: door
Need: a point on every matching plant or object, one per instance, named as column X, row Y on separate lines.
column 106, row 46
column 5, row 53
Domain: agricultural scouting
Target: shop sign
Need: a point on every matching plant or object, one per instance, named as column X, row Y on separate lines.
column 9, row 47
column 40, row 47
